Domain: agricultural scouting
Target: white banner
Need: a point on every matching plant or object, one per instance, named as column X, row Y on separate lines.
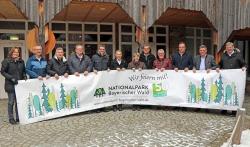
column 47, row 99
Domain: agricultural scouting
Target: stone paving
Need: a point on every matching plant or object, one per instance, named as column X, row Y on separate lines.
column 148, row 127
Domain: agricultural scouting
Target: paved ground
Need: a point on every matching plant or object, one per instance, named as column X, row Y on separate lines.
column 148, row 127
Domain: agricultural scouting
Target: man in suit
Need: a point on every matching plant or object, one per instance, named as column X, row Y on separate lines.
column 203, row 61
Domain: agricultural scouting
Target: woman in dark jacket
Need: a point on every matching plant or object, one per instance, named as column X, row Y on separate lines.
column 13, row 69
column 118, row 64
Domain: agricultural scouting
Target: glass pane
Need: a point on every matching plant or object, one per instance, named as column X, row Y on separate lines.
column 198, row 44
column 12, row 25
column 58, row 26
column 190, row 45
column 189, row 32
column 160, row 39
column 75, row 27
column 7, row 49
column 151, row 30
column 71, row 49
column 106, row 38
column 207, row 33
column 126, row 38
column 126, row 28
column 59, row 45
column 151, row 39
column 208, row 43
column 90, row 27
column 127, row 52
column 60, row 36
column 109, row 50
column 75, row 37
column 106, row 28
column 161, row 47
column 90, row 49
column 11, row 36
column 90, row 37
column 198, row 32
column 161, row 30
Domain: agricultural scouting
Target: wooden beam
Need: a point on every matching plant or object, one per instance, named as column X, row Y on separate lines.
column 108, row 14
column 1, row 15
column 91, row 9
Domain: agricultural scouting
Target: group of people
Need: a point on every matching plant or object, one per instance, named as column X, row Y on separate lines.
column 14, row 69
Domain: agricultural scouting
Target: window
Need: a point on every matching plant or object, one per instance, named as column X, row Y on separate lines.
column 90, row 27
column 12, row 36
column 75, row 37
column 90, row 35
column 127, row 40
column 58, row 26
column 60, row 36
column 12, row 25
column 75, row 27
column 106, row 28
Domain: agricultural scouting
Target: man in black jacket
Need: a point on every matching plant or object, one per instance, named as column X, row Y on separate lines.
column 232, row 58
column 118, row 64
column 101, row 62
column 58, row 65
column 13, row 69
column 147, row 57
column 182, row 60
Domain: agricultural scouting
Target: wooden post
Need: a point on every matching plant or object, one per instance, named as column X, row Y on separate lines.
column 41, row 27
column 238, row 128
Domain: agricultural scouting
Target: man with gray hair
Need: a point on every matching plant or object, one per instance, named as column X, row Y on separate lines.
column 203, row 61
column 78, row 62
column 232, row 58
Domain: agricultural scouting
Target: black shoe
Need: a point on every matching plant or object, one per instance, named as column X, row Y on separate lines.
column 120, row 107
column 98, row 111
column 224, row 112
column 114, row 108
column 138, row 108
column 133, row 107
column 12, row 121
column 17, row 120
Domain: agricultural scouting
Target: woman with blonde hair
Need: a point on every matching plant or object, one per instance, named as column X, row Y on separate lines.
column 13, row 69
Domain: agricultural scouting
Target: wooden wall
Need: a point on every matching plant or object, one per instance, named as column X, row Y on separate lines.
column 225, row 15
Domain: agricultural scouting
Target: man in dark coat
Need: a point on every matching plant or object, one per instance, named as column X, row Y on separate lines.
column 147, row 57
column 101, row 62
column 232, row 58
column 13, row 69
column 118, row 64
column 58, row 65
column 78, row 62
column 182, row 60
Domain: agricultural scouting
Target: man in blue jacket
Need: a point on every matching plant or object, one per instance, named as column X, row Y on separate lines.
column 181, row 59
column 36, row 64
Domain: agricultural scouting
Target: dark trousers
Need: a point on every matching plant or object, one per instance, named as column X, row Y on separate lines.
column 12, row 103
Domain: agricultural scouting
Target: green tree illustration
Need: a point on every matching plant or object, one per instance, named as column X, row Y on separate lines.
column 213, row 91
column 30, row 112
column 204, row 96
column 45, row 99
column 73, row 96
column 236, row 99
column 37, row 105
column 220, row 90
column 62, row 97
column 228, row 94
column 192, row 93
